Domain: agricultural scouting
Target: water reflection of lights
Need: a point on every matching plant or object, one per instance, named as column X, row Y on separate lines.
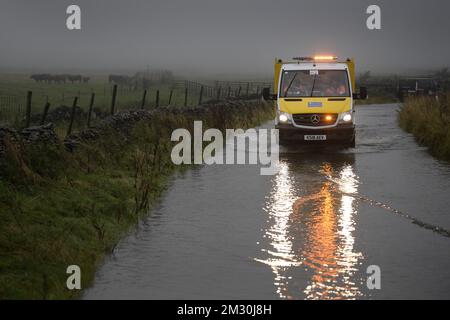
column 314, row 233
column 281, row 254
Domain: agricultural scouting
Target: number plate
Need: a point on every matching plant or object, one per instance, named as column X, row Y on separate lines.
column 315, row 137
column 314, row 104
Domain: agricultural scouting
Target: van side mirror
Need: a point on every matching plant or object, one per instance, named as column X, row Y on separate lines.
column 361, row 95
column 267, row 95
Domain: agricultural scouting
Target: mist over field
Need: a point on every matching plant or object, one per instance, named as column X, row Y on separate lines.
column 230, row 38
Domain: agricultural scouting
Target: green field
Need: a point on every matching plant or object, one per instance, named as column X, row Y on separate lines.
column 14, row 88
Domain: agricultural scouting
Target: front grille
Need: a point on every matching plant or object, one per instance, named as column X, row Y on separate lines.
column 314, row 119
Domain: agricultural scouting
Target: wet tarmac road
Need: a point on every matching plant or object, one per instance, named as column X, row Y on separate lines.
column 308, row 232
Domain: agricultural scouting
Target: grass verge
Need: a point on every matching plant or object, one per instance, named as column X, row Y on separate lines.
column 428, row 120
column 59, row 208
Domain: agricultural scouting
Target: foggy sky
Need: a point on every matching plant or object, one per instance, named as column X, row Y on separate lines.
column 213, row 37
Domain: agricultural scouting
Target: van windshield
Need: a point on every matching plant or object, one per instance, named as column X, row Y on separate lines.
column 315, row 83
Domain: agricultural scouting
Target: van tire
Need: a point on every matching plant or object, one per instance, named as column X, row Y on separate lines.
column 352, row 143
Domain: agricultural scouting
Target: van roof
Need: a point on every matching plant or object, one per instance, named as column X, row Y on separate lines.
column 315, row 66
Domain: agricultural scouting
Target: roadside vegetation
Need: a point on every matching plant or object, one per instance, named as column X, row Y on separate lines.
column 428, row 119
column 61, row 208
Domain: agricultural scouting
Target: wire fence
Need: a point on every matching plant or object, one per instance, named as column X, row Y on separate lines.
column 70, row 111
column 11, row 109
column 225, row 89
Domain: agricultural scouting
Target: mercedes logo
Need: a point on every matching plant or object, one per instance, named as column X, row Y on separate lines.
column 315, row 119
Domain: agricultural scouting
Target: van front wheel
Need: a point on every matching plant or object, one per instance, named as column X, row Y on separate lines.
column 351, row 143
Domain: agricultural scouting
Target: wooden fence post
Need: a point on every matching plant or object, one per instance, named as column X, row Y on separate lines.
column 200, row 96
column 170, row 97
column 247, row 90
column 44, row 115
column 113, row 100
column 143, row 99
column 72, row 116
column 185, row 96
column 239, row 91
column 28, row 111
column 157, row 99
column 91, row 105
column 229, row 92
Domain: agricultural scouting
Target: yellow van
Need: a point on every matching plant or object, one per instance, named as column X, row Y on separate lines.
column 314, row 99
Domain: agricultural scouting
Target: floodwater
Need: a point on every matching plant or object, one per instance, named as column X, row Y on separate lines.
column 311, row 231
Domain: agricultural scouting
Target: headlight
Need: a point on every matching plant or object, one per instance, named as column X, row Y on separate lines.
column 284, row 117
column 346, row 117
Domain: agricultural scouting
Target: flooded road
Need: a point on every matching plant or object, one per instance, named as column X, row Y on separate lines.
column 308, row 232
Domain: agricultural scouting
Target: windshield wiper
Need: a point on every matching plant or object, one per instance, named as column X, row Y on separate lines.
column 290, row 84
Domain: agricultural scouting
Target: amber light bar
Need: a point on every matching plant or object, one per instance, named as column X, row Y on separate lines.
column 325, row 58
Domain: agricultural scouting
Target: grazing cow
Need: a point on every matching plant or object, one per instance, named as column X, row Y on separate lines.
column 36, row 77
column 41, row 77
column 86, row 79
column 72, row 78
column 59, row 78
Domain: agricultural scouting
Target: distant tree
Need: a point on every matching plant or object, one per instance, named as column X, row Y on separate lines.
column 442, row 77
column 443, row 74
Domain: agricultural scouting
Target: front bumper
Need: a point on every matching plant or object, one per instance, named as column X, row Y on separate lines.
column 340, row 133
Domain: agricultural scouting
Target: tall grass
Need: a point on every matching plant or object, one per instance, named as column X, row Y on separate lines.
column 428, row 119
